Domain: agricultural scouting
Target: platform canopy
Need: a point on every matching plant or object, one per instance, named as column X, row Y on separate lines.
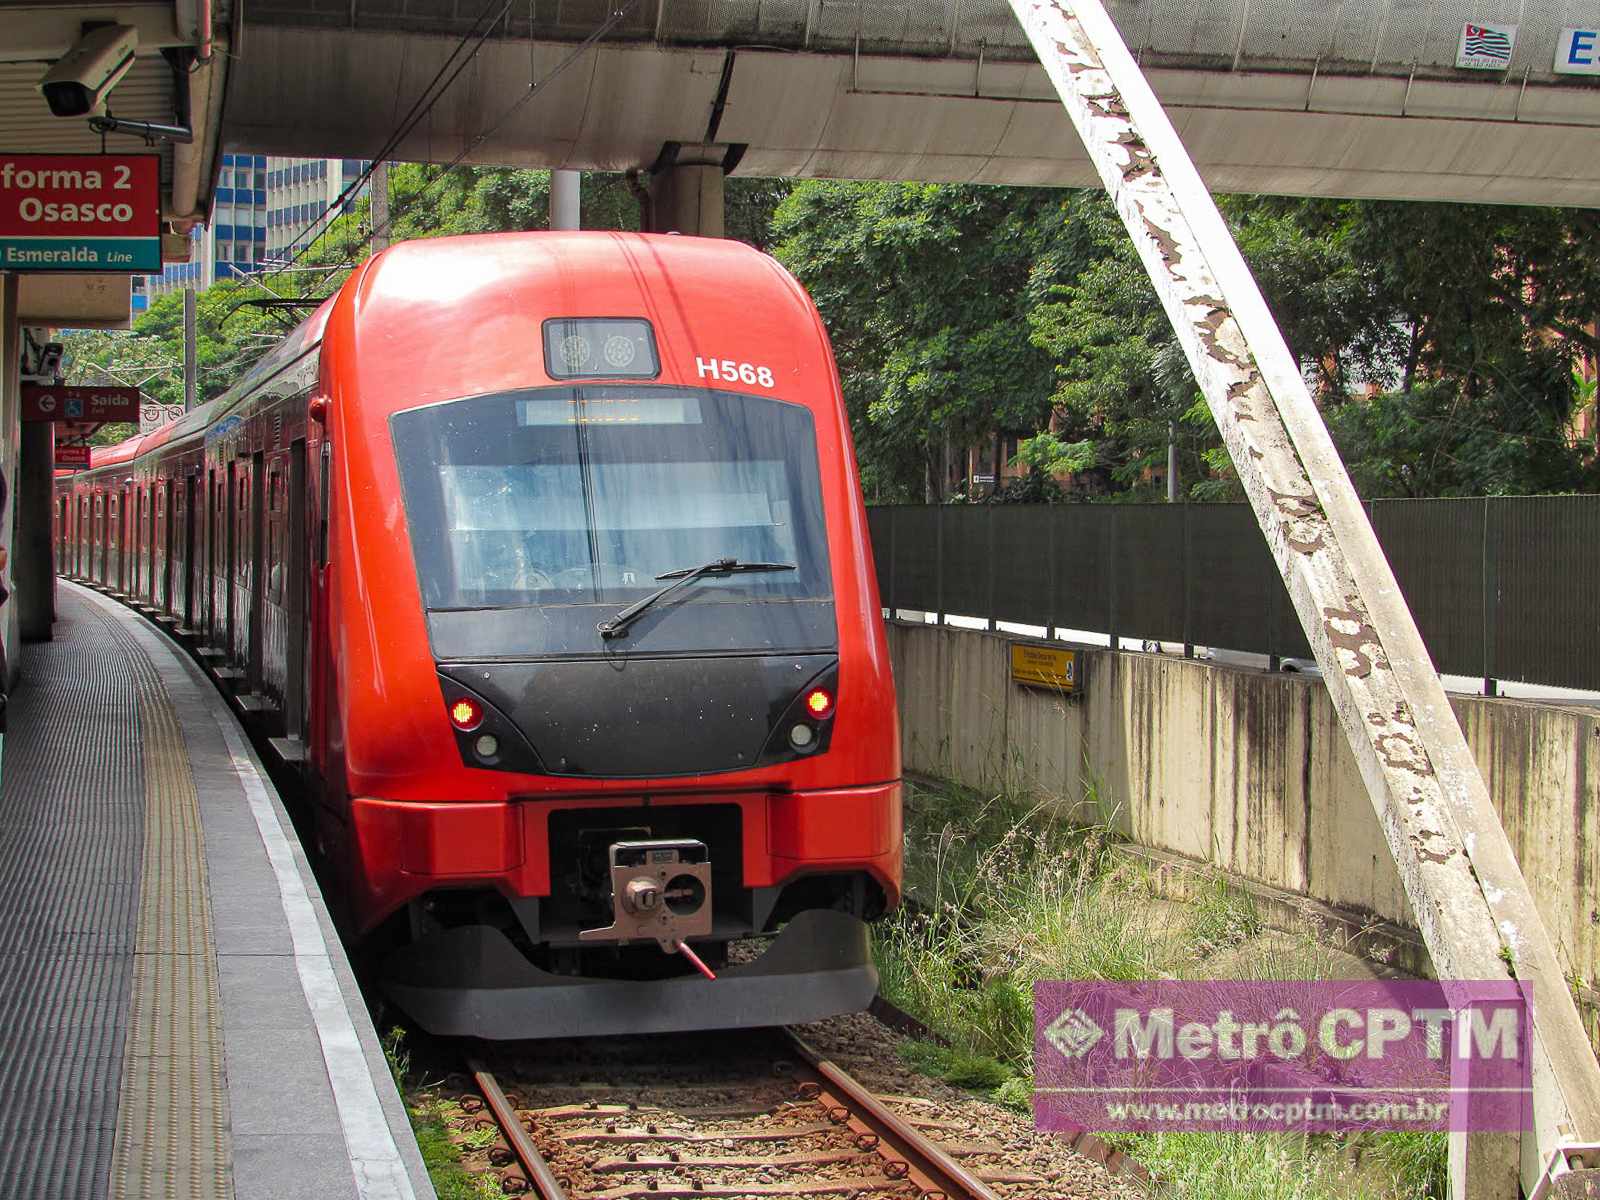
column 176, row 80
column 1351, row 98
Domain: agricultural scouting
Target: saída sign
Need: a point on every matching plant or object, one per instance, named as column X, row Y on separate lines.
column 80, row 212
column 69, row 402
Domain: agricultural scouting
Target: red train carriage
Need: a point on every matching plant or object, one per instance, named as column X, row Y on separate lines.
column 546, row 558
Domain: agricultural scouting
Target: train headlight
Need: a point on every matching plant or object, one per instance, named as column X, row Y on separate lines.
column 487, row 746
column 819, row 703
column 802, row 736
column 466, row 715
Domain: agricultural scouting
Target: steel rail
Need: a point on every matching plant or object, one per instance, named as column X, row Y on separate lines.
column 930, row 1169
column 540, row 1176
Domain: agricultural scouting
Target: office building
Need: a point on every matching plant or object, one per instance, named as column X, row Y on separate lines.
column 266, row 209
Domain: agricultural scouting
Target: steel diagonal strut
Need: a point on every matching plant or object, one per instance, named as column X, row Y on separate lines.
column 1466, row 891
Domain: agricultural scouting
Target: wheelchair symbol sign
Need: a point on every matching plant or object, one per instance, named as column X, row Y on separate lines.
column 73, row 408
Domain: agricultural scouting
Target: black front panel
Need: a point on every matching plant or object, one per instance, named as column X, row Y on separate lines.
column 645, row 717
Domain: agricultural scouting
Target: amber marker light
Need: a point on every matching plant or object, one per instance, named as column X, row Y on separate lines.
column 466, row 715
column 819, row 703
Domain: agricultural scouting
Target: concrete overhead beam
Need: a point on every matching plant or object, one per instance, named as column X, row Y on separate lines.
column 74, row 301
column 806, row 115
column 46, row 33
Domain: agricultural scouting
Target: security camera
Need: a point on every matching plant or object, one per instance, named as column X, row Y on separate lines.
column 82, row 78
column 50, row 360
column 46, row 362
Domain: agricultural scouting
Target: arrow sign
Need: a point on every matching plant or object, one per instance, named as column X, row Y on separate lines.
column 48, row 402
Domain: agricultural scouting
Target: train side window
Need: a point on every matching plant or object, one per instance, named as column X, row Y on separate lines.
column 242, row 546
column 324, row 503
column 275, row 536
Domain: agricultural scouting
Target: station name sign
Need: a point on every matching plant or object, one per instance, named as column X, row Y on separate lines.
column 65, row 402
column 1578, row 52
column 80, row 212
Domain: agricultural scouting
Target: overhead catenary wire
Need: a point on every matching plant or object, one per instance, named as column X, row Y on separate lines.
column 420, row 108
column 617, row 16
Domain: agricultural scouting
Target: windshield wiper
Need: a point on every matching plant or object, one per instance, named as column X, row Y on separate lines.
column 617, row 626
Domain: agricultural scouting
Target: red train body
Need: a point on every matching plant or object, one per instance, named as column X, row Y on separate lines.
column 397, row 540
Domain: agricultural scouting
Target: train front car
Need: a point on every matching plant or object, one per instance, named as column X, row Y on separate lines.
column 612, row 678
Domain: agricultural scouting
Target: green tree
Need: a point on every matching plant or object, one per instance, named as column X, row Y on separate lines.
column 925, row 290
column 1439, row 338
column 1477, row 315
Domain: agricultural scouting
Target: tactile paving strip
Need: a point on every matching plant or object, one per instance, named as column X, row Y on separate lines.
column 71, row 839
column 172, row 1130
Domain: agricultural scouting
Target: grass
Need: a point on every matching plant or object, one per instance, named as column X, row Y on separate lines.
column 1221, row 917
column 1002, row 893
column 432, row 1121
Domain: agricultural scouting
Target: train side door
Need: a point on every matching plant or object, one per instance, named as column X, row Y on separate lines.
column 97, row 565
column 169, row 541
column 157, row 516
column 125, row 535
column 136, row 548
column 320, row 669
column 147, row 543
column 191, row 515
column 258, row 568
column 230, row 537
column 114, row 521
column 294, row 597
column 214, row 537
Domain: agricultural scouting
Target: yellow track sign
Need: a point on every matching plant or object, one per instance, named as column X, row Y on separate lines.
column 1044, row 666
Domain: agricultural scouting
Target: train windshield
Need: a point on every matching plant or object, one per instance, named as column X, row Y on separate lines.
column 536, row 515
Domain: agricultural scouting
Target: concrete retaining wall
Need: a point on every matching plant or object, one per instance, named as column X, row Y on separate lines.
column 1246, row 770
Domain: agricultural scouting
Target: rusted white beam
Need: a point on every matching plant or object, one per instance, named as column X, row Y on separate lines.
column 1467, row 893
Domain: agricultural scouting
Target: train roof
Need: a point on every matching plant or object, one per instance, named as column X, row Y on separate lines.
column 124, row 451
column 438, row 319
column 451, row 291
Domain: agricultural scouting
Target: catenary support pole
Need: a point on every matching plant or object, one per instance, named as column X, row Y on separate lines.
column 1468, row 896
column 1172, row 462
column 188, row 349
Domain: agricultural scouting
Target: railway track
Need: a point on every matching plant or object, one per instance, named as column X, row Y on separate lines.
column 757, row 1116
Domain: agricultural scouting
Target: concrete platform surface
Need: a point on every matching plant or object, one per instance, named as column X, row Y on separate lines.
column 177, row 1016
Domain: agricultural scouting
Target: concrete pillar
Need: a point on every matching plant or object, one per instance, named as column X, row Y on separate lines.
column 378, row 208
column 687, row 198
column 33, row 568
column 10, row 424
column 564, row 200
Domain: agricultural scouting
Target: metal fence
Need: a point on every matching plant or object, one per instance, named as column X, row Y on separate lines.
column 1501, row 587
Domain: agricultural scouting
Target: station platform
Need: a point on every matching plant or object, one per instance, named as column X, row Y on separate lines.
column 177, row 1016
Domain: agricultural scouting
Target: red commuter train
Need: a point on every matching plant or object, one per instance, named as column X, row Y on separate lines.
column 544, row 558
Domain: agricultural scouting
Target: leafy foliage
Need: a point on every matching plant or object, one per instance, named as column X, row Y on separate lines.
column 925, row 291
column 1443, row 341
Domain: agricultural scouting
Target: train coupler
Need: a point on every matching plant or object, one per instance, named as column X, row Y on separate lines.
column 659, row 889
